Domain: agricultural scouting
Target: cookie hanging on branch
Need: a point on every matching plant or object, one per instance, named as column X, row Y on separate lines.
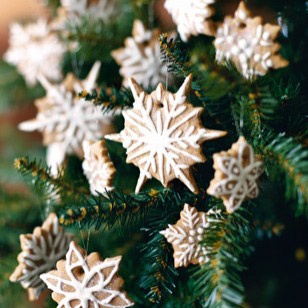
column 66, row 119
column 40, row 252
column 163, row 134
column 186, row 235
column 192, row 17
column 141, row 57
column 248, row 44
column 97, row 167
column 86, row 281
column 35, row 50
column 236, row 175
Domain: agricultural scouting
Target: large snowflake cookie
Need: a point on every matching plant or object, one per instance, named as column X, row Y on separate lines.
column 237, row 171
column 66, row 119
column 162, row 135
column 191, row 16
column 141, row 57
column 35, row 50
column 98, row 167
column 248, row 44
column 40, row 252
column 186, row 235
column 86, row 281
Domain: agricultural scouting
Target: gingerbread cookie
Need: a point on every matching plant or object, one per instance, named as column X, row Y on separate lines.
column 248, row 44
column 97, row 167
column 86, row 281
column 66, row 119
column 186, row 234
column 162, row 135
column 192, row 17
column 141, row 57
column 237, row 171
column 40, row 252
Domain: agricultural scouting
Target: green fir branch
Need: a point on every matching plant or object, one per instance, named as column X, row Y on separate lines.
column 109, row 99
column 217, row 282
column 50, row 188
column 284, row 155
column 117, row 207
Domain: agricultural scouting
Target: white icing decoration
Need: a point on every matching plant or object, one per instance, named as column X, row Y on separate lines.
column 249, row 53
column 35, row 51
column 189, row 15
column 157, row 140
column 186, row 235
column 86, row 290
column 141, row 57
column 103, row 10
column 68, row 118
column 97, row 167
column 240, row 185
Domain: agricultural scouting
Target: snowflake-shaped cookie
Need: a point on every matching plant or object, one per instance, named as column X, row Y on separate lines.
column 162, row 135
column 141, row 57
column 191, row 16
column 75, row 10
column 35, row 50
column 86, row 281
column 98, row 167
column 65, row 119
column 185, row 237
column 248, row 44
column 237, row 171
column 40, row 252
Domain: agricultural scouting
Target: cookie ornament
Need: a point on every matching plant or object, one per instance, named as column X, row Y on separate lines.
column 40, row 252
column 141, row 57
column 86, row 281
column 66, row 119
column 162, row 135
column 248, row 44
column 97, row 167
column 237, row 171
column 35, row 50
column 186, row 234
column 192, row 17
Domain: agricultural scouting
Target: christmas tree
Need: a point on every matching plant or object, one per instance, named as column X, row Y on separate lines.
column 173, row 166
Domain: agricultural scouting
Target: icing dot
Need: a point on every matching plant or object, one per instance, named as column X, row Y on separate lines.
column 200, row 230
column 269, row 63
column 242, row 43
column 200, row 238
column 191, row 240
column 192, row 232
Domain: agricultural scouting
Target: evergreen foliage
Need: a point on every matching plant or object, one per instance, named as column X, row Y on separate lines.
column 271, row 112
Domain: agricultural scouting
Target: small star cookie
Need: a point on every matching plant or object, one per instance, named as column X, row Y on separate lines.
column 86, row 281
column 40, row 252
column 162, row 135
column 141, row 57
column 248, row 44
column 186, row 234
column 237, row 171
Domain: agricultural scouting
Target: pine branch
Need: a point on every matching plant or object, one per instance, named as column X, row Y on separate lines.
column 158, row 275
column 47, row 186
column 117, row 207
column 283, row 155
column 109, row 99
column 217, row 282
